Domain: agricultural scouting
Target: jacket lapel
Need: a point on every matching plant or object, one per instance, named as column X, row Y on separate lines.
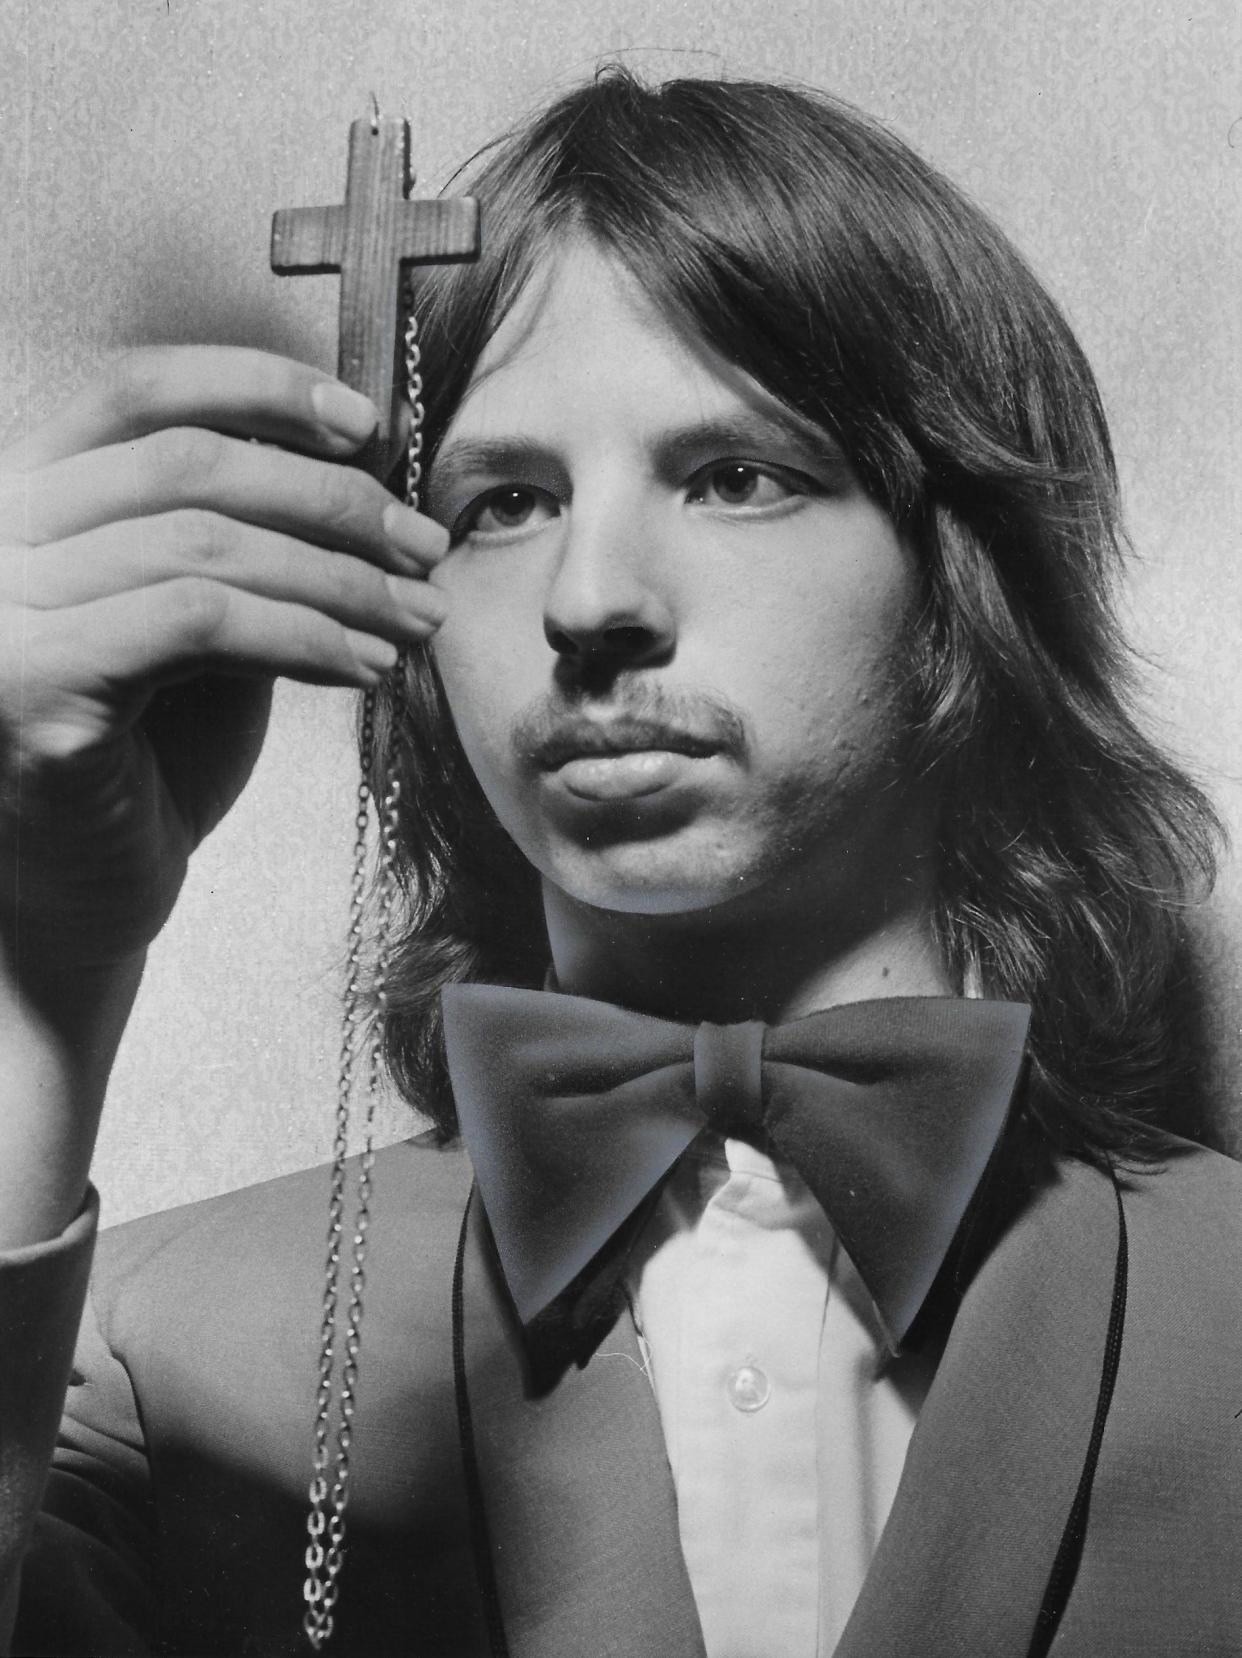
column 580, row 1500
column 577, row 1490
column 996, row 1456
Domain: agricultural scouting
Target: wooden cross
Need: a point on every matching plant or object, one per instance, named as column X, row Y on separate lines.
column 368, row 239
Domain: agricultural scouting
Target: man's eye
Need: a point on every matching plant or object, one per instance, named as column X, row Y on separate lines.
column 740, row 484
column 501, row 511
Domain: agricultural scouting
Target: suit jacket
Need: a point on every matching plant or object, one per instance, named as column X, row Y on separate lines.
column 173, row 1520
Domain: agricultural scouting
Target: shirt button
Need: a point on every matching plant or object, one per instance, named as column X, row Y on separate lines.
column 749, row 1388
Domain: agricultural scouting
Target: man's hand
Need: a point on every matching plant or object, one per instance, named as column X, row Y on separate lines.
column 157, row 570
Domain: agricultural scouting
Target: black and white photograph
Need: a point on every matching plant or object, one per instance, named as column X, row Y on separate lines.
column 620, row 781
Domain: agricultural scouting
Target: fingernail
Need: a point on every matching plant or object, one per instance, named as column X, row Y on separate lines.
column 346, row 412
column 415, row 534
column 376, row 656
column 421, row 605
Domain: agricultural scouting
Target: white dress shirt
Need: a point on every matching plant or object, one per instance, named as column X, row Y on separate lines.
column 785, row 1419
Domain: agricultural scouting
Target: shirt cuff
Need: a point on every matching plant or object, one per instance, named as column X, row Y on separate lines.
column 77, row 1236
column 42, row 1293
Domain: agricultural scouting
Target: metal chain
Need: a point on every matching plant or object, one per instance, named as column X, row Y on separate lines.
column 335, row 1402
column 414, row 392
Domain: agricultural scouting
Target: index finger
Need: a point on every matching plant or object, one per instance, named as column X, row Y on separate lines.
column 232, row 389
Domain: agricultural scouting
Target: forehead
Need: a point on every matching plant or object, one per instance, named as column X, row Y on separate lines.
column 583, row 334
column 575, row 313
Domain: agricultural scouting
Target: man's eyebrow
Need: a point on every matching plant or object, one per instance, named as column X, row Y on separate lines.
column 673, row 447
column 463, row 457
column 743, row 434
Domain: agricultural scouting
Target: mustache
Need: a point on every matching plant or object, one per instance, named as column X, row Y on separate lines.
column 555, row 728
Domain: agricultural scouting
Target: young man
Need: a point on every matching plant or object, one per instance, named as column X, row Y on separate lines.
column 769, row 758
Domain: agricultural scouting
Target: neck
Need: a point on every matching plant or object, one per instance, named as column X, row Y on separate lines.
column 725, row 966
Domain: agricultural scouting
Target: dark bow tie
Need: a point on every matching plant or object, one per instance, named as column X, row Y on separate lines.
column 573, row 1111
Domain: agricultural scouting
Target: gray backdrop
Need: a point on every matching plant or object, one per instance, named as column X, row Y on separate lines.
column 143, row 147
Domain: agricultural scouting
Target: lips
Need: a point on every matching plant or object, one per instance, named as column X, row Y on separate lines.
column 585, row 739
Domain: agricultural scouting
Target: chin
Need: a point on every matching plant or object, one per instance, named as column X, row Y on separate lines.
column 645, row 879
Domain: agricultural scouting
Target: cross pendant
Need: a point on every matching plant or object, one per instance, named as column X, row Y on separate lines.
column 368, row 239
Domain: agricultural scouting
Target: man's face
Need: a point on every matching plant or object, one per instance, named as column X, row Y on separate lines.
column 678, row 630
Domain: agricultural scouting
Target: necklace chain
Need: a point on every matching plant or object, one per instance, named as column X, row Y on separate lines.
column 336, row 1395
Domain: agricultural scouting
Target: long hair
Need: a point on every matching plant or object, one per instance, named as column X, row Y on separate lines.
column 818, row 253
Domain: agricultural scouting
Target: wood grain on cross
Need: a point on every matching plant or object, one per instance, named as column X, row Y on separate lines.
column 368, row 239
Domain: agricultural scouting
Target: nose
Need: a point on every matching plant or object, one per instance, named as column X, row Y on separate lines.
column 604, row 600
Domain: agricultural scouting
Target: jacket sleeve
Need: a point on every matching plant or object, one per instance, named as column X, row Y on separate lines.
column 76, row 1536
